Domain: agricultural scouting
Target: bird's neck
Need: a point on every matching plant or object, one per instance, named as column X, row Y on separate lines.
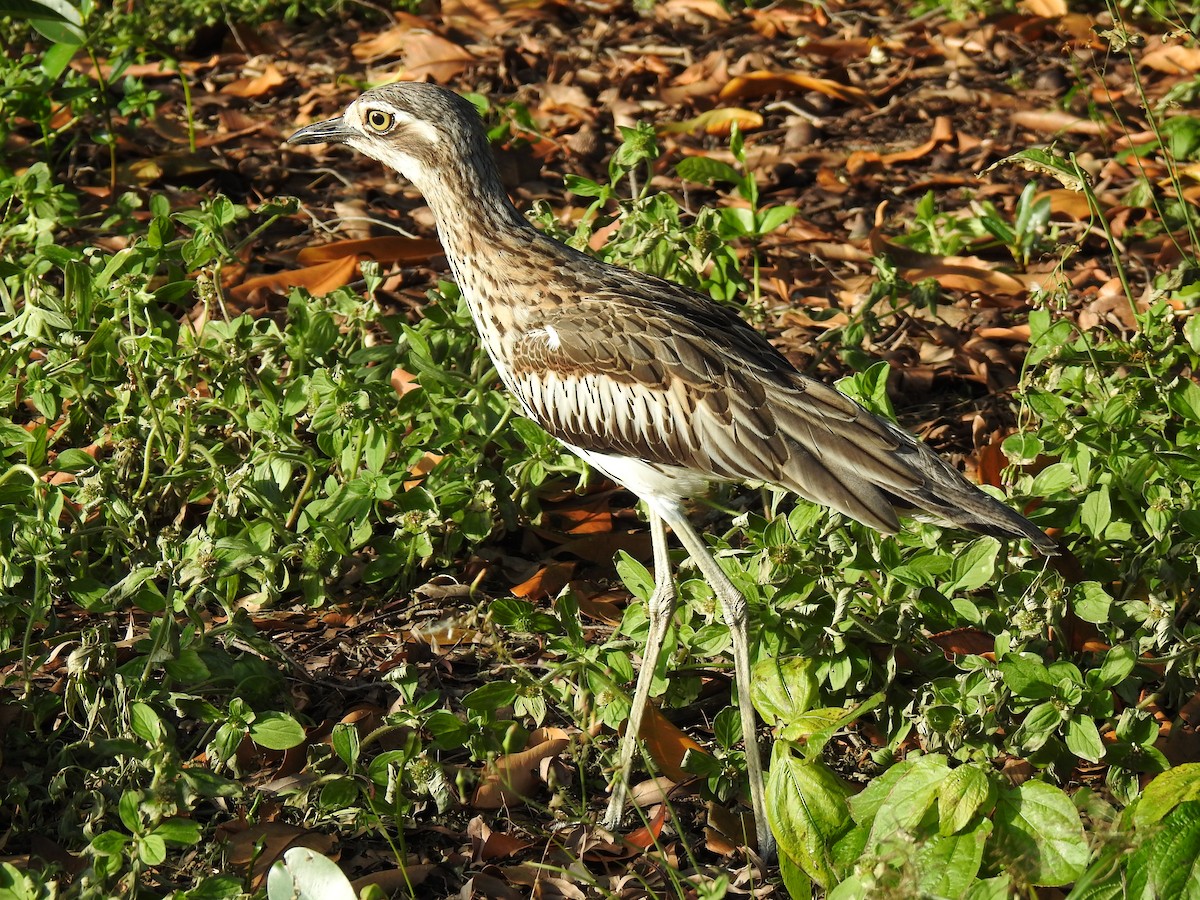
column 473, row 213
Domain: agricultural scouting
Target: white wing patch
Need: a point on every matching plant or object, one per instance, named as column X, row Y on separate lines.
column 550, row 333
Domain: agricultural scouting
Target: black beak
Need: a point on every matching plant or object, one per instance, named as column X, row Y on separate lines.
column 331, row 131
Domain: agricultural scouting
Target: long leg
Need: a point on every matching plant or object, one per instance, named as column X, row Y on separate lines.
column 733, row 604
column 659, row 610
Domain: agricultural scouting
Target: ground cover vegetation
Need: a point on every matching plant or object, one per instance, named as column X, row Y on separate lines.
column 285, row 581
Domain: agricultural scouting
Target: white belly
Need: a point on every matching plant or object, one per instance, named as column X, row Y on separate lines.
column 661, row 487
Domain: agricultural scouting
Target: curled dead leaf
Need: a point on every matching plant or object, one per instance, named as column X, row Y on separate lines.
column 717, row 121
column 546, row 582
column 383, row 250
column 256, row 85
column 759, row 84
column 511, row 779
column 666, row 744
column 318, row 280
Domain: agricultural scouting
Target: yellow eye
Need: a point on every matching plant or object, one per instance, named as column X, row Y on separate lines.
column 380, row 121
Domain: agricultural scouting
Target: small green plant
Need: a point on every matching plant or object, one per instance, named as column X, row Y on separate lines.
column 652, row 233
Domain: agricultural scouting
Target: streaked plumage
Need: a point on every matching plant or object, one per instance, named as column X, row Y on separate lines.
column 651, row 383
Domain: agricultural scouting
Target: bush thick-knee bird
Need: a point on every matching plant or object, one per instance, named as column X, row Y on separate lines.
column 653, row 384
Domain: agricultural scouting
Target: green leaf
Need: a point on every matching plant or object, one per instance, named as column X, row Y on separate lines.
column 491, row 697
column 975, row 567
column 908, row 800
column 783, row 689
column 1178, row 785
column 178, row 831
column 145, row 723
column 1168, row 865
column 1185, row 400
column 1025, row 676
column 772, row 218
column 74, row 461
column 1022, row 449
column 109, row 843
column 708, row 171
column 1083, row 739
column 304, row 874
column 806, row 807
column 1047, row 162
column 56, row 20
column 152, row 850
column 1091, row 602
column 949, row 864
column 345, row 741
column 1039, row 835
column 798, row 884
column 964, row 793
column 1118, row 663
column 1096, row 512
column 276, row 731
column 1053, row 479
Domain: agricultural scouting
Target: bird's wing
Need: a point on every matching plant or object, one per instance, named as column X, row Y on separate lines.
column 676, row 380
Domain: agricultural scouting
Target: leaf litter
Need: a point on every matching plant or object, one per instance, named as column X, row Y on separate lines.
column 847, row 125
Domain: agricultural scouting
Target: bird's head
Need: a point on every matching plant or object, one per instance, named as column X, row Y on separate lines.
column 414, row 128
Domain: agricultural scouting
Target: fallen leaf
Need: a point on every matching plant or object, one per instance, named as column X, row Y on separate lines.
column 256, row 86
column 647, row 836
column 385, row 250
column 512, row 778
column 427, row 54
column 943, row 131
column 717, row 121
column 1056, row 122
column 1047, row 9
column 964, row 642
column 318, row 280
column 1173, row 59
column 666, row 744
column 547, row 582
column 759, row 84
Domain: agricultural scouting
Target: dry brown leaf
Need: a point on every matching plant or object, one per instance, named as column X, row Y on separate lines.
column 472, row 16
column 261, row 844
column 385, row 250
column 674, row 10
column 759, row 84
column 775, row 20
column 512, row 778
column 1047, row 9
column 728, row 831
column 647, row 836
column 943, row 131
column 427, row 54
column 1173, row 59
column 488, row 845
column 318, row 280
column 607, row 607
column 582, row 520
column 1072, row 204
column 547, row 582
column 701, row 79
column 422, row 467
column 404, row 381
column 255, row 86
column 170, row 165
column 964, row 642
column 666, row 744
column 389, row 42
column 395, row 882
column 1055, row 122
column 978, row 277
column 717, row 121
